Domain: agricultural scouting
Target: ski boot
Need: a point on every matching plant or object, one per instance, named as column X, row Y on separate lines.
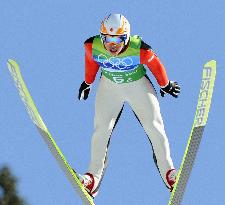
column 89, row 182
column 171, row 178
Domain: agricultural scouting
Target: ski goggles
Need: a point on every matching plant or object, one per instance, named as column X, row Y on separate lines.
column 114, row 39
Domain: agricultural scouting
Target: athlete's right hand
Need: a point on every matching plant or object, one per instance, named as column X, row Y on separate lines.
column 84, row 91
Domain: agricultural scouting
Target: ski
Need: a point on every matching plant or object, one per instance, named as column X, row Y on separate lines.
column 37, row 120
column 201, row 115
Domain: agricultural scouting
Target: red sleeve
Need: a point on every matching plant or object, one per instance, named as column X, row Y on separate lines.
column 91, row 66
column 149, row 58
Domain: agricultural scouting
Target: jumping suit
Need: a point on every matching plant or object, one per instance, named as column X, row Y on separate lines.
column 123, row 80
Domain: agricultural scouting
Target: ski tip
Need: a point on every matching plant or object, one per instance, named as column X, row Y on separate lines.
column 11, row 62
column 211, row 63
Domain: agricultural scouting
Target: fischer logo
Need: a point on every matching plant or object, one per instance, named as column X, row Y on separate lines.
column 203, row 96
column 115, row 63
column 22, row 94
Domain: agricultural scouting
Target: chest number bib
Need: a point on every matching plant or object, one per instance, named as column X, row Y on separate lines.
column 126, row 76
column 123, row 68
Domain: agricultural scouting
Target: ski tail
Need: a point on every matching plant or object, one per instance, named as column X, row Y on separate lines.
column 37, row 120
column 201, row 116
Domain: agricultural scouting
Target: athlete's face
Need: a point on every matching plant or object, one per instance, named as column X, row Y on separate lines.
column 113, row 45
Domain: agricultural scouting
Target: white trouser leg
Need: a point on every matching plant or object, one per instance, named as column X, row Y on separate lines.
column 142, row 98
column 107, row 108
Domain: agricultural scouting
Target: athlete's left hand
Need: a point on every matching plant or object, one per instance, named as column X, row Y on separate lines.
column 172, row 88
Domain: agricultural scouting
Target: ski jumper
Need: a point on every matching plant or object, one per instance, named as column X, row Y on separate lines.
column 123, row 80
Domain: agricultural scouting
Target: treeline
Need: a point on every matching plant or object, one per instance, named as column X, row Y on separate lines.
column 8, row 188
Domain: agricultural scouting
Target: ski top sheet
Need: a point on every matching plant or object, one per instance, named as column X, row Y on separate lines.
column 37, row 120
column 201, row 115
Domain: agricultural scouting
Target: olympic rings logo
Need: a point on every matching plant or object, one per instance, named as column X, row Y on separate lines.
column 115, row 63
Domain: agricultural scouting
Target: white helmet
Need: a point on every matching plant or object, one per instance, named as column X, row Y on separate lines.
column 116, row 24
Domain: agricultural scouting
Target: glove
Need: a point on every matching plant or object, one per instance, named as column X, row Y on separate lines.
column 84, row 91
column 172, row 88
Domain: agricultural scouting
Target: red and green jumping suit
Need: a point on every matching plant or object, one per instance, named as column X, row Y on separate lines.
column 123, row 80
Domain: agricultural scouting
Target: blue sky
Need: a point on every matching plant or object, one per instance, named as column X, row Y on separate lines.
column 47, row 41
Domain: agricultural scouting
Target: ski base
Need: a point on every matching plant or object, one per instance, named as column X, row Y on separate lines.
column 201, row 115
column 37, row 120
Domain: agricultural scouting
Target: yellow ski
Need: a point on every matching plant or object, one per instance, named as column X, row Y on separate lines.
column 37, row 120
column 201, row 115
